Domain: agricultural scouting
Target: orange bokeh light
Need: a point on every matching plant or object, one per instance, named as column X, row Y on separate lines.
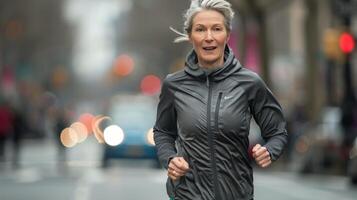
column 59, row 77
column 150, row 85
column 69, row 137
column 14, row 29
column 81, row 131
column 123, row 65
column 98, row 133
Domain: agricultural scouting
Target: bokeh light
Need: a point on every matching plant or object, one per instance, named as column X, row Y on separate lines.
column 81, row 131
column 150, row 85
column 87, row 120
column 331, row 44
column 59, row 77
column 113, row 135
column 150, row 137
column 96, row 126
column 14, row 29
column 69, row 137
column 347, row 43
column 123, row 65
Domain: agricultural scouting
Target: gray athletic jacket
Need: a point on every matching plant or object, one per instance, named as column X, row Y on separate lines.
column 205, row 117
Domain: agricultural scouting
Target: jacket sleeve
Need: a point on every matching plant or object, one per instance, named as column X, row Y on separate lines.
column 269, row 116
column 165, row 129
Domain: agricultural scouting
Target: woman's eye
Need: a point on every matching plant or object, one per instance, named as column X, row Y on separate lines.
column 199, row 29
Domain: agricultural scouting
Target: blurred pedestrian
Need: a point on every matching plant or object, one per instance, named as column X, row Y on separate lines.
column 18, row 134
column 61, row 122
column 6, row 126
column 202, row 127
column 349, row 127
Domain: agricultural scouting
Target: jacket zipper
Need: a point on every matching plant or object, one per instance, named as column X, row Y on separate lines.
column 211, row 141
column 217, row 109
column 214, row 137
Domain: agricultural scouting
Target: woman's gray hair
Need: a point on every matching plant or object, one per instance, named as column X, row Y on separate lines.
column 221, row 6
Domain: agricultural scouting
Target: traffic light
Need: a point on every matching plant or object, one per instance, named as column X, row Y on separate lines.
column 346, row 42
column 330, row 41
column 347, row 45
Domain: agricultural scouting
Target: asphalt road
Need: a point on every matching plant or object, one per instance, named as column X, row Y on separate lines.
column 40, row 177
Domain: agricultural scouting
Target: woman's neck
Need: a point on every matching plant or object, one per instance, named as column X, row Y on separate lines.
column 212, row 65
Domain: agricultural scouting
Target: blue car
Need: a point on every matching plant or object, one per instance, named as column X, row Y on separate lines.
column 135, row 115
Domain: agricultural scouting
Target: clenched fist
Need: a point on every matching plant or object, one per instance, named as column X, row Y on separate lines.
column 261, row 156
column 177, row 167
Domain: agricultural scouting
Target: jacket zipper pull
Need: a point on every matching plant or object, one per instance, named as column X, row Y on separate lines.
column 207, row 81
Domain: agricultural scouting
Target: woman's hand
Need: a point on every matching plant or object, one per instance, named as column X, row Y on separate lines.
column 261, row 156
column 177, row 167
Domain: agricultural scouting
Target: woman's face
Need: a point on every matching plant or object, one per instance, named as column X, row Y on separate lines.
column 209, row 37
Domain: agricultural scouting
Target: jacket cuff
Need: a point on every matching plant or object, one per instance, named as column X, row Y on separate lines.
column 272, row 158
column 168, row 161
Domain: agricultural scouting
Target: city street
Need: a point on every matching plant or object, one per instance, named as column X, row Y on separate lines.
column 83, row 179
column 80, row 77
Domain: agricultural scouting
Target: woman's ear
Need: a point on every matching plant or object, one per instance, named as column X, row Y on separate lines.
column 228, row 35
column 189, row 37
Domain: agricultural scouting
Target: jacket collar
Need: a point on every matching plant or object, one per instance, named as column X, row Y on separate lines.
column 231, row 65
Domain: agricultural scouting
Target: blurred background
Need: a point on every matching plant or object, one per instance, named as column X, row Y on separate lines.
column 80, row 80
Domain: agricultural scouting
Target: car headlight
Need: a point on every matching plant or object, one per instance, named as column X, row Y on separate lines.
column 150, row 137
column 113, row 135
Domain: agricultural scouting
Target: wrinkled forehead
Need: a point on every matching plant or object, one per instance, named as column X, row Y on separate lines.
column 208, row 17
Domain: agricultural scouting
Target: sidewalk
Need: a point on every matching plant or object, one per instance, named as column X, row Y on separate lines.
column 39, row 158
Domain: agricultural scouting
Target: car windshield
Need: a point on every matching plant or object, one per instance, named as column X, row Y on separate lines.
column 134, row 114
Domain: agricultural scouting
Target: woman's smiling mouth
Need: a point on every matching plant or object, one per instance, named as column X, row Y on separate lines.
column 209, row 48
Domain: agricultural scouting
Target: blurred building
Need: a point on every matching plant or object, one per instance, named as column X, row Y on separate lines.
column 35, row 55
column 292, row 49
column 34, row 38
column 43, row 43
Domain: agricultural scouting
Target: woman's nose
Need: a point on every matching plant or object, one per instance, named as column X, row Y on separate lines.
column 209, row 36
